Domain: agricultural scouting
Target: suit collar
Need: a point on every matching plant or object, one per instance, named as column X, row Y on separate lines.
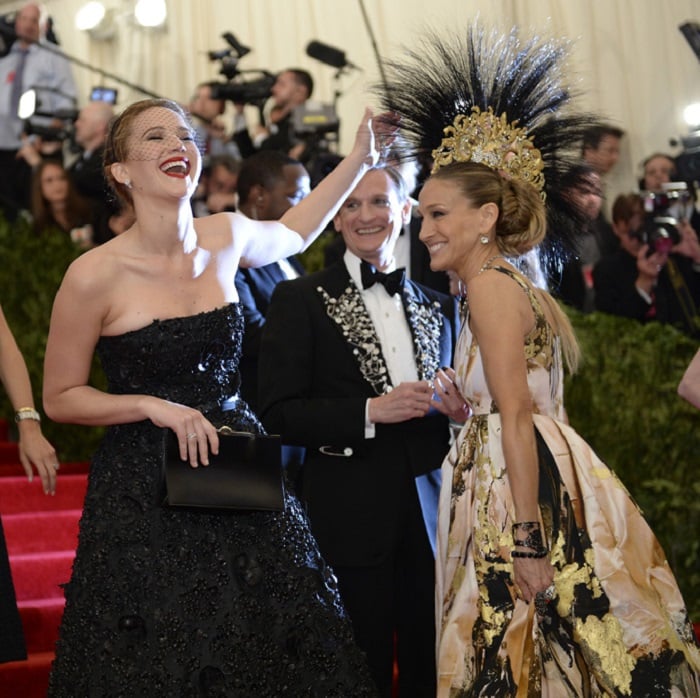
column 342, row 300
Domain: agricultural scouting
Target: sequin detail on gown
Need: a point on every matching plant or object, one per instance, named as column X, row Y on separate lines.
column 618, row 625
column 166, row 602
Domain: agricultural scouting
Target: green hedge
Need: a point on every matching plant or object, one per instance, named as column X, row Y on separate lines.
column 623, row 401
column 32, row 268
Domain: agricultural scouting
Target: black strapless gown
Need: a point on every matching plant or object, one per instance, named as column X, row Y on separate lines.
column 166, row 602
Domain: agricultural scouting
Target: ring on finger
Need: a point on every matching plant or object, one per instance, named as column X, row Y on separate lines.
column 544, row 598
column 55, row 466
column 191, row 435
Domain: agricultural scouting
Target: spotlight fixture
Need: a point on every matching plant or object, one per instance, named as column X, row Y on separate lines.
column 150, row 13
column 89, row 16
column 96, row 20
column 691, row 115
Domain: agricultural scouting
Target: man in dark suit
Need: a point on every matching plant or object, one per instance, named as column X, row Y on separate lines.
column 269, row 183
column 87, row 172
column 346, row 366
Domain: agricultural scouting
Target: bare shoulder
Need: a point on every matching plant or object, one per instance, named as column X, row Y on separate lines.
column 494, row 290
column 498, row 300
column 93, row 271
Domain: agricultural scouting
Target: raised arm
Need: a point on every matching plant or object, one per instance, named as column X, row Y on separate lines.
column 34, row 450
column 313, row 213
column 310, row 216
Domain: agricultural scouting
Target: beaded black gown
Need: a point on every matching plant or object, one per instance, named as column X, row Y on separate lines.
column 167, row 602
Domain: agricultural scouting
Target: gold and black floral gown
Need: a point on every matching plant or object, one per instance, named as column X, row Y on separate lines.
column 618, row 625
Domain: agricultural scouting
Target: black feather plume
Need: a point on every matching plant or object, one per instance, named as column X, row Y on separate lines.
column 446, row 74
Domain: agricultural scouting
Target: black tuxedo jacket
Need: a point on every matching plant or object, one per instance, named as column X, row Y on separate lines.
column 320, row 361
column 255, row 287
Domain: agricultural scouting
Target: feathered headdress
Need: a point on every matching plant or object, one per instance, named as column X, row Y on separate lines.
column 494, row 99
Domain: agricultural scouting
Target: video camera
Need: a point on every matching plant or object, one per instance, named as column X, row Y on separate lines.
column 43, row 123
column 238, row 90
column 662, row 212
column 688, row 161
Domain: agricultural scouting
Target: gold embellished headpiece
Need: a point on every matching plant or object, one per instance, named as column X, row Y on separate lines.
column 489, row 139
column 497, row 99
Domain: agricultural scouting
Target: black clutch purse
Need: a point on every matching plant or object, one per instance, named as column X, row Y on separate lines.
column 246, row 474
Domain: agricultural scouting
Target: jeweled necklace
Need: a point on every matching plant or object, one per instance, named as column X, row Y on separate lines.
column 486, row 264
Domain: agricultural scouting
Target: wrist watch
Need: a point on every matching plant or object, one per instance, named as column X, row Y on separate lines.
column 27, row 413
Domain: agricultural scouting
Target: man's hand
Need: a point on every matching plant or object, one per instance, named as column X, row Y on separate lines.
column 406, row 401
column 649, row 267
column 688, row 245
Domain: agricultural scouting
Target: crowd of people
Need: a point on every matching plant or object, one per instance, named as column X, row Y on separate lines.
column 441, row 518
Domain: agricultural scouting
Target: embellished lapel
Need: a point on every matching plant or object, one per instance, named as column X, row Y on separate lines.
column 425, row 320
column 349, row 314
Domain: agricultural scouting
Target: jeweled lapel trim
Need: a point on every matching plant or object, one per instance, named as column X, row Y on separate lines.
column 426, row 323
column 350, row 315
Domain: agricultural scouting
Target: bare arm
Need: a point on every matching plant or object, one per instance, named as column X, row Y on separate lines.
column 309, row 217
column 79, row 311
column 689, row 387
column 500, row 317
column 34, row 450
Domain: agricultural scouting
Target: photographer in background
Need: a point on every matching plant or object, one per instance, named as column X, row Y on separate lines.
column 291, row 89
column 659, row 169
column 27, row 65
column 85, row 172
column 655, row 275
column 209, row 126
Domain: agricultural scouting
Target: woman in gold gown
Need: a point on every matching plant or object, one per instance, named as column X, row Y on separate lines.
column 550, row 582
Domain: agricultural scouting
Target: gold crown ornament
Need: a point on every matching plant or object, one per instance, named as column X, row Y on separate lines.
column 490, row 140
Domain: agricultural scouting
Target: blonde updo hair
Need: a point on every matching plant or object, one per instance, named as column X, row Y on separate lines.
column 520, row 227
column 522, row 221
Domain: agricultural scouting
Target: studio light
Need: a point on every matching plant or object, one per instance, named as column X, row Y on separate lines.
column 691, row 115
column 89, row 16
column 97, row 21
column 150, row 13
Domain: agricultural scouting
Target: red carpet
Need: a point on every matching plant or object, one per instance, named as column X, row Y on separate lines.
column 41, row 533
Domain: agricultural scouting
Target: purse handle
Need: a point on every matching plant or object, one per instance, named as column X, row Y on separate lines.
column 227, row 431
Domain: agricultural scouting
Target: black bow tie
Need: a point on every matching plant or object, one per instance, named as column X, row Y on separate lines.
column 393, row 282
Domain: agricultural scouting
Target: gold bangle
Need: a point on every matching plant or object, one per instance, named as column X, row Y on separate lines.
column 27, row 413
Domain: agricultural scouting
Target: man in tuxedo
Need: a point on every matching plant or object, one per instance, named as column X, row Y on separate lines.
column 269, row 183
column 346, row 366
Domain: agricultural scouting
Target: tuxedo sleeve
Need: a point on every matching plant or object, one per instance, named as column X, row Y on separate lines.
column 301, row 396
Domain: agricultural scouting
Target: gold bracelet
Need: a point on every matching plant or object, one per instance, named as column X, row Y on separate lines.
column 27, row 413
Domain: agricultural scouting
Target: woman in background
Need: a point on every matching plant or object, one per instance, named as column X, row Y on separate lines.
column 56, row 204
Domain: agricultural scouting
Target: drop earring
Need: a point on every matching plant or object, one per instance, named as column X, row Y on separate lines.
column 127, row 184
column 484, row 239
